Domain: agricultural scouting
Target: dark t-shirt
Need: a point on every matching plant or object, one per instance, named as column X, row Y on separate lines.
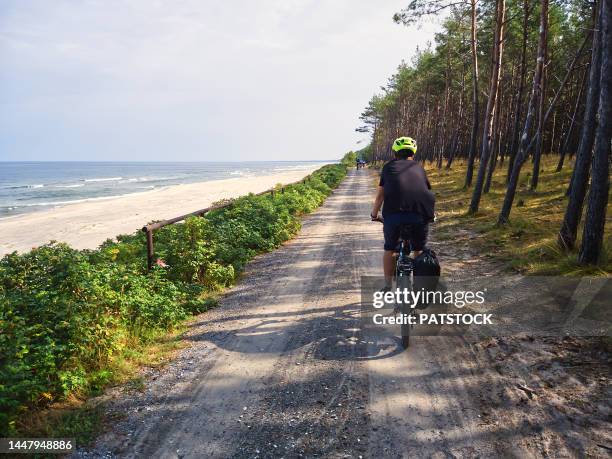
column 406, row 189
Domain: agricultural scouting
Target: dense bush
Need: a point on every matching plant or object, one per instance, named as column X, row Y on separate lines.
column 65, row 313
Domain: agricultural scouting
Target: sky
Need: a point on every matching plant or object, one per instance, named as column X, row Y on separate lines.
column 193, row 80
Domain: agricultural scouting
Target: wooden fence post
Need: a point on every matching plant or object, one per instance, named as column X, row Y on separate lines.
column 149, row 249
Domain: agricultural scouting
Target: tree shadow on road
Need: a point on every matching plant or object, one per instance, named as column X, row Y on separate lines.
column 329, row 333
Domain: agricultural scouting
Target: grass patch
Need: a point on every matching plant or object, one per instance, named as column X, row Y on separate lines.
column 71, row 419
column 528, row 244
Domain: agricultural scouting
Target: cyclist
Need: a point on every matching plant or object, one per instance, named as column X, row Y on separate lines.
column 408, row 201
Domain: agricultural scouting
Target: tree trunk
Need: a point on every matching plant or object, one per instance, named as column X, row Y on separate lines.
column 455, row 142
column 535, row 175
column 525, row 145
column 571, row 126
column 495, row 143
column 519, row 97
column 475, row 113
column 580, row 176
column 592, row 237
column 551, row 143
column 498, row 47
column 505, row 146
column 445, row 142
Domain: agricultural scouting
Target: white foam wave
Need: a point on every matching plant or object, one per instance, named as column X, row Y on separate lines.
column 73, row 201
column 159, row 179
column 299, row 167
column 76, row 185
column 105, row 179
column 150, row 179
column 21, row 187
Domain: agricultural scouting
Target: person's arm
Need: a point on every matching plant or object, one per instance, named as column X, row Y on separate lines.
column 378, row 201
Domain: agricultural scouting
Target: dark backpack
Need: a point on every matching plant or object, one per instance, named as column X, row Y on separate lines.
column 426, row 272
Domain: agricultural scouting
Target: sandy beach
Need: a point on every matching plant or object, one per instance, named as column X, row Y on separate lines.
column 86, row 225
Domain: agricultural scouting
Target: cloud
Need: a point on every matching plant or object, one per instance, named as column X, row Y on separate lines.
column 167, row 80
column 258, row 43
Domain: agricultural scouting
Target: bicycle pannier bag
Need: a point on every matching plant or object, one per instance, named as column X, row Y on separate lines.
column 426, row 272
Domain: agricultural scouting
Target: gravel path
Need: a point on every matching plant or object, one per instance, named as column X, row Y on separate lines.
column 282, row 369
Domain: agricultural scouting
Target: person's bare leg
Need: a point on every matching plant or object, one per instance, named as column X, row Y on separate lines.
column 388, row 267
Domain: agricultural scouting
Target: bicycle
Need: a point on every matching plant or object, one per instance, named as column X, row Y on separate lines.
column 403, row 277
column 404, row 269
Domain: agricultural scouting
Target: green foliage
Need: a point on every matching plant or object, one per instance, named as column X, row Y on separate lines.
column 350, row 158
column 433, row 92
column 65, row 313
column 366, row 153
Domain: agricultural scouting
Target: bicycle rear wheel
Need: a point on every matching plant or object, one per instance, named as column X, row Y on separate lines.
column 403, row 282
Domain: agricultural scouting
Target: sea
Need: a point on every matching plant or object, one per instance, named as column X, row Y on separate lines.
column 31, row 186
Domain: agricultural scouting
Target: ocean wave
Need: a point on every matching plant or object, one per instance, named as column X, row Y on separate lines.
column 159, row 179
column 76, row 185
column 73, row 201
column 21, row 187
column 150, row 179
column 294, row 168
column 105, row 179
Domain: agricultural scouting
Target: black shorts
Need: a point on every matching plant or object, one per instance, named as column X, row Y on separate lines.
column 415, row 227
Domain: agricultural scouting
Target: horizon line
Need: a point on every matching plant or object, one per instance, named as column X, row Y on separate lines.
column 169, row 162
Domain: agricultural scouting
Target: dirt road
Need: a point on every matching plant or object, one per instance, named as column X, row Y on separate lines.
column 281, row 368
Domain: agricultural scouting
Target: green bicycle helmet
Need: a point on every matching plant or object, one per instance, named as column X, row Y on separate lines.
column 405, row 143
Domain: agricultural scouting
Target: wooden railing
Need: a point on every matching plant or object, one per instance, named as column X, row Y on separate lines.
column 148, row 229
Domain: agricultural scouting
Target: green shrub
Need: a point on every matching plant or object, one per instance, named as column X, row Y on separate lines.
column 58, row 316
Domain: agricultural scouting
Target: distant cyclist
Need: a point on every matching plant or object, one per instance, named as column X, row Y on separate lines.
column 408, row 201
